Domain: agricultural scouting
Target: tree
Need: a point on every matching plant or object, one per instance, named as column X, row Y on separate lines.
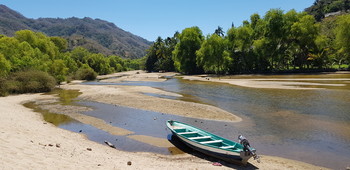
column 60, row 43
column 184, row 55
column 305, row 32
column 275, row 35
column 212, row 55
column 155, row 52
column 59, row 70
column 219, row 32
column 342, row 32
column 5, row 66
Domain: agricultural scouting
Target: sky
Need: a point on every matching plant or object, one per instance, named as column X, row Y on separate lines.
column 152, row 18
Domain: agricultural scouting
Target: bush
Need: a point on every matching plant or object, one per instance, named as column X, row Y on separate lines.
column 31, row 81
column 3, row 87
column 85, row 74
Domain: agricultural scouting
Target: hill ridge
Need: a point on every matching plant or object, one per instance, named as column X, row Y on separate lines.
column 96, row 35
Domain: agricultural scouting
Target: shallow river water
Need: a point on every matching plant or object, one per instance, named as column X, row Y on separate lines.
column 307, row 125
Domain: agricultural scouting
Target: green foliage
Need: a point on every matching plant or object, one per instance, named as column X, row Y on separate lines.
column 342, row 32
column 5, row 66
column 159, row 56
column 190, row 41
column 34, row 51
column 30, row 81
column 322, row 7
column 212, row 55
column 85, row 73
column 276, row 42
column 60, row 43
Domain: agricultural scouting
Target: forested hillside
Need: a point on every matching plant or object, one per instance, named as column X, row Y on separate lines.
column 93, row 34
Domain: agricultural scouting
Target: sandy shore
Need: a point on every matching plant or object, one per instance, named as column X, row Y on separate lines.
column 275, row 83
column 28, row 142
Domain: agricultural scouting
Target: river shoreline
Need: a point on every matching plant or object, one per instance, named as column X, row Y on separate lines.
column 27, row 141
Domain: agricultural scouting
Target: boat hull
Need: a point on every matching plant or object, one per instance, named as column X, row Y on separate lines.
column 237, row 157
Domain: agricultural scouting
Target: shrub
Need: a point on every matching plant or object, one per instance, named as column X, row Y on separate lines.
column 31, row 81
column 85, row 74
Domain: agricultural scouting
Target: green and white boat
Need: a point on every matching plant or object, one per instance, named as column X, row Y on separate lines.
column 211, row 144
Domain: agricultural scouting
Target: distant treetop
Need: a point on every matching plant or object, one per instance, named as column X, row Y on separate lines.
column 322, row 7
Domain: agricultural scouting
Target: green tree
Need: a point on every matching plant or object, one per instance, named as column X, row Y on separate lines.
column 60, row 43
column 219, row 31
column 5, row 66
column 342, row 40
column 184, row 55
column 59, row 70
column 155, row 52
column 305, row 32
column 212, row 55
column 275, row 36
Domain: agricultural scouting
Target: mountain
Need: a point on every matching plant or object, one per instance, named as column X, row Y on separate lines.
column 94, row 34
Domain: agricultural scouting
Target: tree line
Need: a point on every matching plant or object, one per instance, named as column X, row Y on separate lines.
column 278, row 41
column 35, row 52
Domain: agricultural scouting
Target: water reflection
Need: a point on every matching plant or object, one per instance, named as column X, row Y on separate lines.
column 54, row 118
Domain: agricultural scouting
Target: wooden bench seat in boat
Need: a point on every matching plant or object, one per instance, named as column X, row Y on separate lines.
column 200, row 137
column 227, row 147
column 185, row 133
column 211, row 141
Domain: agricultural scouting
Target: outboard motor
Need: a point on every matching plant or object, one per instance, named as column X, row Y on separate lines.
column 246, row 147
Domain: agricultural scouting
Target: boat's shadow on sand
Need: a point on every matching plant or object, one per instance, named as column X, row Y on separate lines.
column 183, row 147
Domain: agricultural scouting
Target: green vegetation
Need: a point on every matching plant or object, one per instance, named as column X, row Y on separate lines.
column 33, row 62
column 277, row 42
column 322, row 7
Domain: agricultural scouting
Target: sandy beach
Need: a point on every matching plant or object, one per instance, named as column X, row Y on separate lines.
column 28, row 142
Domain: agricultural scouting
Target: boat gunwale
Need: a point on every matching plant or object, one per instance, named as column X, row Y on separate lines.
column 235, row 149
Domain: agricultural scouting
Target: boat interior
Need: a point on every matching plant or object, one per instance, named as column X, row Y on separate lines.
column 202, row 138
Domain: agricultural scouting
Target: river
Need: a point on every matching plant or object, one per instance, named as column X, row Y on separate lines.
column 310, row 125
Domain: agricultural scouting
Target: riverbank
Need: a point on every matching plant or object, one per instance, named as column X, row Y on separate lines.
column 294, row 82
column 28, row 142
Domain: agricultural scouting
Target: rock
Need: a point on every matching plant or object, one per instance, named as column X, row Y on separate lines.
column 89, row 149
column 348, row 168
column 129, row 163
column 99, row 165
column 50, row 144
column 58, row 145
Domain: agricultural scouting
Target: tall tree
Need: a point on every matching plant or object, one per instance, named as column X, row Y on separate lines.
column 219, row 31
column 190, row 41
column 342, row 32
column 305, row 32
column 213, row 55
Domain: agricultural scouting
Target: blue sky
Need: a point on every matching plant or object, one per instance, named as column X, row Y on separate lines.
column 152, row 18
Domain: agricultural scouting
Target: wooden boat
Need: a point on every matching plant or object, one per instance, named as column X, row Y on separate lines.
column 211, row 144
